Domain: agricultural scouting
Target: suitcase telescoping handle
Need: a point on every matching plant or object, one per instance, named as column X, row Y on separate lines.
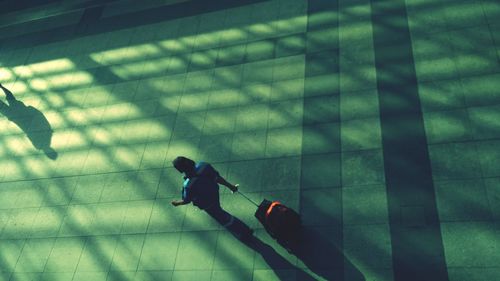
column 246, row 197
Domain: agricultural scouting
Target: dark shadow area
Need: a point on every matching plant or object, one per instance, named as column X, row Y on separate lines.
column 276, row 262
column 413, row 212
column 315, row 251
column 322, row 257
column 29, row 119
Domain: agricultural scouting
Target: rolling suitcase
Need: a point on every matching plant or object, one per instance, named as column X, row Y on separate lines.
column 280, row 221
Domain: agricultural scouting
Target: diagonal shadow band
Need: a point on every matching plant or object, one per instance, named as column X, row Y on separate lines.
column 31, row 121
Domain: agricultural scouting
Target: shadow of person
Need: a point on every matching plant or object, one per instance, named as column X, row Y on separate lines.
column 31, row 121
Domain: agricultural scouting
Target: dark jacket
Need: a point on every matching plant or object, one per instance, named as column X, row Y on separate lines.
column 202, row 189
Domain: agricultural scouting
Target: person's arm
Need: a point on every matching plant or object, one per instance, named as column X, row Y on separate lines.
column 186, row 197
column 224, row 182
column 7, row 93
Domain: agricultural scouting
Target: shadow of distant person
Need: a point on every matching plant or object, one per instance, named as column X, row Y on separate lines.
column 31, row 121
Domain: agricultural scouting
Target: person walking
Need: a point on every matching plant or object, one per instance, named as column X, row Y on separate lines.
column 201, row 187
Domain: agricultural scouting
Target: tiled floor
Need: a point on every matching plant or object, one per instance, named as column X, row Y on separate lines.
column 286, row 98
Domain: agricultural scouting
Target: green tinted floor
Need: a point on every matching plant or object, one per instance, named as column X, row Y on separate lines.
column 297, row 101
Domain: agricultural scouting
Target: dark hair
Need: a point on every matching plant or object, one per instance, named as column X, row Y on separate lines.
column 183, row 164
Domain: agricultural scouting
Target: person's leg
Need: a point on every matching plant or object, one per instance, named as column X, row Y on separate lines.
column 231, row 223
column 221, row 216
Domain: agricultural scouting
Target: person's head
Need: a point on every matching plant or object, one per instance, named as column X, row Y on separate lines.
column 50, row 152
column 184, row 165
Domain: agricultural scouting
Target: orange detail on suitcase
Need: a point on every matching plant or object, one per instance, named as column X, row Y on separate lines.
column 271, row 208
